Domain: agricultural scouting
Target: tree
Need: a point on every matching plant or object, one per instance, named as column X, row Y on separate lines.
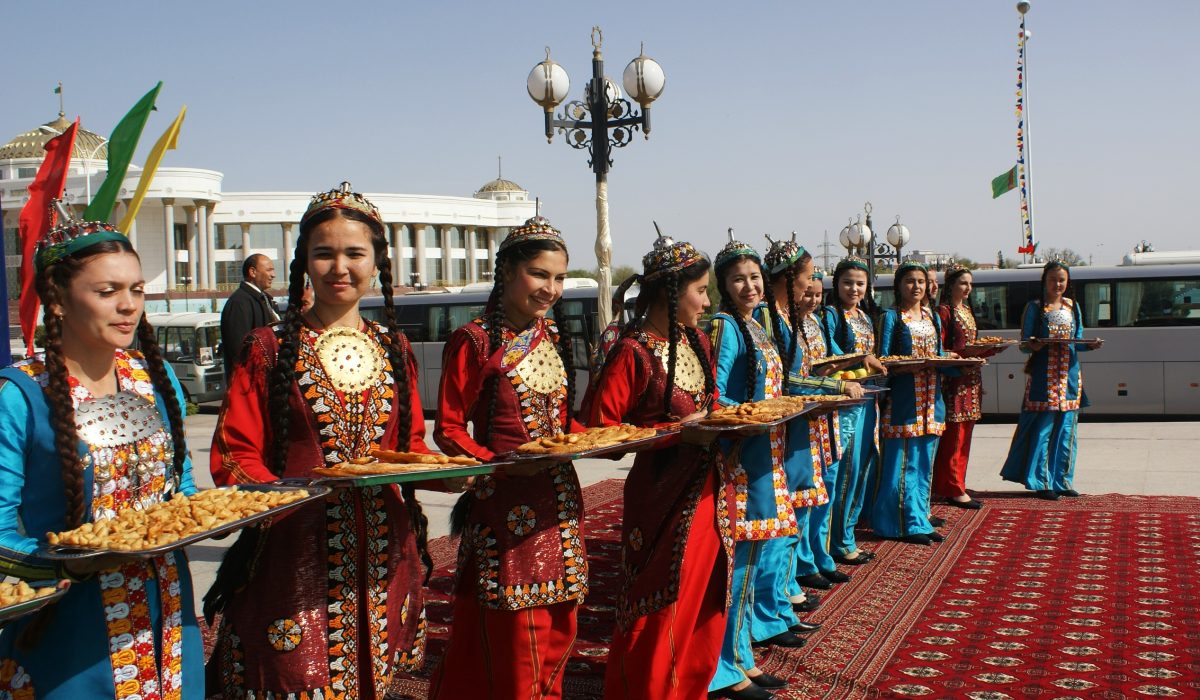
column 580, row 272
column 1004, row 263
column 1065, row 254
column 964, row 261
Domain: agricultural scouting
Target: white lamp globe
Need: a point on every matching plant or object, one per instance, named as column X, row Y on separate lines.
column 644, row 79
column 897, row 234
column 844, row 238
column 548, row 83
column 860, row 233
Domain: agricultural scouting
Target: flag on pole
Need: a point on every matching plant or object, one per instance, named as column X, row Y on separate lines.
column 58, row 90
column 37, row 218
column 166, row 142
column 1004, row 183
column 121, row 145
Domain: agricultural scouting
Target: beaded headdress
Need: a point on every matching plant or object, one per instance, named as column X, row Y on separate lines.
column 818, row 274
column 668, row 256
column 536, row 229
column 910, row 264
column 734, row 249
column 1056, row 262
column 341, row 197
column 955, row 268
column 851, row 262
column 71, row 236
column 783, row 254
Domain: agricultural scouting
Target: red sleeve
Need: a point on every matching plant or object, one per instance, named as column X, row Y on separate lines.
column 239, row 449
column 618, row 388
column 416, row 441
column 457, row 392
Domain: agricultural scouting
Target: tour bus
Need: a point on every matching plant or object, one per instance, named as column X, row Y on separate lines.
column 428, row 318
column 191, row 343
column 1148, row 316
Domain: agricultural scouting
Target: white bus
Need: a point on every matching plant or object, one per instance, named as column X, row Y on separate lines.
column 191, row 343
column 1148, row 316
column 428, row 318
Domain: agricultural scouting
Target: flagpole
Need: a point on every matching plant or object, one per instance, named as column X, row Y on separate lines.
column 1023, row 8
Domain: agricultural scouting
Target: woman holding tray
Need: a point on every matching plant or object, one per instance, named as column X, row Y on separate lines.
column 522, row 571
column 676, row 540
column 914, row 416
column 327, row 601
column 126, row 626
column 809, row 457
column 1042, row 455
column 749, row 369
column 847, row 323
column 962, row 394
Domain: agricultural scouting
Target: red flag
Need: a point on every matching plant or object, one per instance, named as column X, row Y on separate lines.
column 36, row 220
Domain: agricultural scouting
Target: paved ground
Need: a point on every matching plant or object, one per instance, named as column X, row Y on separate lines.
column 1150, row 458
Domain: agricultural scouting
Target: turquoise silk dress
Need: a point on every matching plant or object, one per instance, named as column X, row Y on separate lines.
column 765, row 516
column 126, row 632
column 1042, row 455
column 913, row 420
column 859, row 431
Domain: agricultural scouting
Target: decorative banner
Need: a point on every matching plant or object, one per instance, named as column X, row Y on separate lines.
column 1022, row 153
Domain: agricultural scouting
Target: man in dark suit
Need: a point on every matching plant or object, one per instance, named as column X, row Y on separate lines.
column 249, row 307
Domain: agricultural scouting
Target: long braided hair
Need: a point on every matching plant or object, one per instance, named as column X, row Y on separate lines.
column 952, row 329
column 789, row 275
column 897, row 329
column 51, row 285
column 283, row 374
column 506, row 262
column 730, row 308
column 841, row 331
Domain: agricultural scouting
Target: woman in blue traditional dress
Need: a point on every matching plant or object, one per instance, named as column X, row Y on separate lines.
column 749, row 369
column 1042, row 455
column 847, row 323
column 914, row 417
column 126, row 628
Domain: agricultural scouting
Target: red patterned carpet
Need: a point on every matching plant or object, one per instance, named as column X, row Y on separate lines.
column 1094, row 597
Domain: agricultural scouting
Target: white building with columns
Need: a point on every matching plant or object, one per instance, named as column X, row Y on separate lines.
column 192, row 236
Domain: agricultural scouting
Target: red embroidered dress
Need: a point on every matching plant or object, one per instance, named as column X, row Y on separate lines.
column 333, row 606
column 521, row 542
column 964, row 393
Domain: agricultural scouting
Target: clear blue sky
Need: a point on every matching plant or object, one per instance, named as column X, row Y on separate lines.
column 776, row 116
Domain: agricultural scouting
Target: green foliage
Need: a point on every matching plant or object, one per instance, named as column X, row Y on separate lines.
column 964, row 261
column 192, row 408
column 588, row 274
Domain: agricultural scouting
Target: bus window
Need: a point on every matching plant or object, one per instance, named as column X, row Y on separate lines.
column 991, row 311
column 208, row 344
column 1158, row 302
column 462, row 314
column 1097, row 305
column 177, row 348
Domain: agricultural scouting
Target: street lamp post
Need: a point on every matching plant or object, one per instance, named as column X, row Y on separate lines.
column 859, row 236
column 602, row 121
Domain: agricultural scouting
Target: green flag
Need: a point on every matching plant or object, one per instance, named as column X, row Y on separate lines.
column 121, row 146
column 1004, row 183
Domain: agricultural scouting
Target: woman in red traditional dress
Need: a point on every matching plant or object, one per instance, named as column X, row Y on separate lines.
column 522, row 572
column 675, row 536
column 962, row 393
column 325, row 602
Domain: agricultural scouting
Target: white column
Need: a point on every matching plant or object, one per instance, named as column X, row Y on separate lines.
column 203, row 246
column 169, row 219
column 394, row 231
column 192, row 244
column 245, row 241
column 472, row 275
column 447, row 260
column 419, row 262
column 288, row 251
column 131, row 234
column 210, row 237
column 492, row 234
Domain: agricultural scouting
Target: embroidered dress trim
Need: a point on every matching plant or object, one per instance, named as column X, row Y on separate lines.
column 925, row 384
column 1061, row 324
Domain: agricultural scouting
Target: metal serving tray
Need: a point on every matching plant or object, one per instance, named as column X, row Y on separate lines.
column 908, row 362
column 955, row 361
column 840, row 359
column 65, row 552
column 647, row 443
column 977, row 349
column 1065, row 341
column 12, row 612
column 366, row 480
column 811, row 409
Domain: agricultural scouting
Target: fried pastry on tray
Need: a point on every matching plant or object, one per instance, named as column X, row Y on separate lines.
column 590, row 439
column 170, row 521
column 21, row 592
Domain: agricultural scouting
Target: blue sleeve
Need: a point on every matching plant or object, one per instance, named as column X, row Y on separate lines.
column 1078, row 327
column 16, row 546
column 187, row 485
column 1029, row 323
column 886, row 331
column 725, row 348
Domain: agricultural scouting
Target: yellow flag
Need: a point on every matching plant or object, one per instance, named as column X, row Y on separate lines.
column 167, row 141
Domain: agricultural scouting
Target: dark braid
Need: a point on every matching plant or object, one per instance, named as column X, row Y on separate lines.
column 728, row 307
column 62, row 410
column 568, row 361
column 710, row 379
column 777, row 326
column 162, row 384
column 284, row 371
column 495, row 339
column 671, row 286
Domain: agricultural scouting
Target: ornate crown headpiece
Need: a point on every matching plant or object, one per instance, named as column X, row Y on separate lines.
column 955, row 268
column 341, row 197
column 735, row 248
column 783, row 254
column 667, row 256
column 537, row 228
column 851, row 262
column 71, row 236
column 1057, row 262
column 910, row 264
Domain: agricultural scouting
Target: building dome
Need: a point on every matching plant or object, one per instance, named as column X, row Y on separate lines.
column 31, row 144
column 500, row 185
